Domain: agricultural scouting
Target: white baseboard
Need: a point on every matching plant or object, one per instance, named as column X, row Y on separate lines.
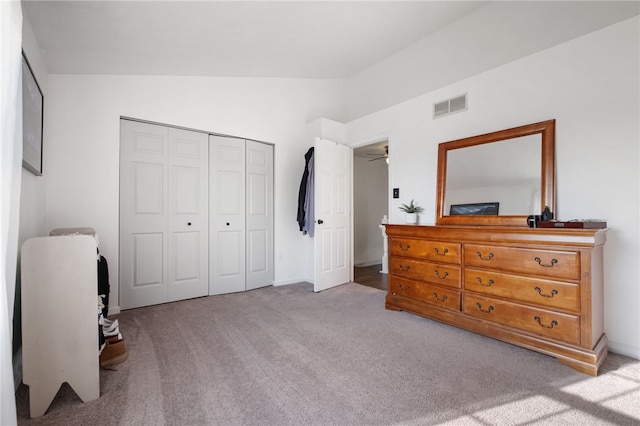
column 622, row 349
column 364, row 264
column 113, row 310
column 292, row 281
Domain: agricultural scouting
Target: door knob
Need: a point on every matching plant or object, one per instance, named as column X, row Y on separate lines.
column 227, row 223
column 320, row 221
column 188, row 223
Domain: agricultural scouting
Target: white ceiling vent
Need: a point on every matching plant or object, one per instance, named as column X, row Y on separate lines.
column 457, row 104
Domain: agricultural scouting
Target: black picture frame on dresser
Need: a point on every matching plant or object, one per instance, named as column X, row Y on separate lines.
column 475, row 209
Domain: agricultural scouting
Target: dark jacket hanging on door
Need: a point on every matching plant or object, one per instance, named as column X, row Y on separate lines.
column 309, row 201
column 302, row 194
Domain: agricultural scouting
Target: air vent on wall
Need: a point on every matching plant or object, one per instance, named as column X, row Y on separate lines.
column 457, row 104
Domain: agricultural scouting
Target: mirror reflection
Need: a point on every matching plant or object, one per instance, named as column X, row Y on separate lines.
column 504, row 172
column 497, row 178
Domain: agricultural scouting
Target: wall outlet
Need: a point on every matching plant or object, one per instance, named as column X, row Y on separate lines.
column 396, row 192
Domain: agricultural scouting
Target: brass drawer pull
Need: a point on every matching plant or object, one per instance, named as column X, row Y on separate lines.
column 484, row 310
column 548, row 265
column 553, row 323
column 553, row 292
column 444, row 297
column 437, row 273
column 403, row 269
column 401, row 288
column 437, row 252
column 484, row 258
column 404, row 249
column 489, row 284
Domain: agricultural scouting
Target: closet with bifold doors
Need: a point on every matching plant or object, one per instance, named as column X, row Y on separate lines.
column 196, row 214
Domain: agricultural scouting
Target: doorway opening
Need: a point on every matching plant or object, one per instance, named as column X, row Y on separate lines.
column 370, row 205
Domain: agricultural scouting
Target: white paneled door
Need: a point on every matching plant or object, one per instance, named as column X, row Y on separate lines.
column 259, row 215
column 241, row 215
column 227, row 214
column 332, row 240
column 164, row 224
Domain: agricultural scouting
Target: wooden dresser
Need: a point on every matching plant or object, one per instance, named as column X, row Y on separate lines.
column 541, row 289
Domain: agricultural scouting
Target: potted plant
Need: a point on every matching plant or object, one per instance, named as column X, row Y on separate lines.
column 412, row 211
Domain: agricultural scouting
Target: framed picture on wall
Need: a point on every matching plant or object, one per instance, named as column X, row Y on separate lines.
column 32, row 120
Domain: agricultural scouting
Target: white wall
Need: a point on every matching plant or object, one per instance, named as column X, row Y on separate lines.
column 590, row 86
column 82, row 134
column 370, row 203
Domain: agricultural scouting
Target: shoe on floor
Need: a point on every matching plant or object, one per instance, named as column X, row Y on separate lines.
column 112, row 333
column 114, row 339
column 113, row 353
column 110, row 328
column 109, row 323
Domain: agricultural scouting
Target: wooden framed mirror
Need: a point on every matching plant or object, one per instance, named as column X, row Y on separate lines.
column 511, row 172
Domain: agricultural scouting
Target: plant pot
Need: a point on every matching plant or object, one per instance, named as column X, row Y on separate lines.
column 412, row 218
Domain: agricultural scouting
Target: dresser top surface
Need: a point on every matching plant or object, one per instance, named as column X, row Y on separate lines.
column 504, row 235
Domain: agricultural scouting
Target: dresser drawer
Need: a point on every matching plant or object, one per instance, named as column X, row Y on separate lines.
column 425, row 249
column 553, row 294
column 549, row 263
column 439, row 296
column 442, row 274
column 540, row 321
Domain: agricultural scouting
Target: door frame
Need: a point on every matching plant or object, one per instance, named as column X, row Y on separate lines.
column 362, row 143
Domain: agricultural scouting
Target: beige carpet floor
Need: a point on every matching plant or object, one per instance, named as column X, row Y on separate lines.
column 288, row 356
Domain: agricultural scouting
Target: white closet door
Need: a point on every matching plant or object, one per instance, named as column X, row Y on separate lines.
column 188, row 244
column 259, row 215
column 163, row 188
column 227, row 214
column 143, row 218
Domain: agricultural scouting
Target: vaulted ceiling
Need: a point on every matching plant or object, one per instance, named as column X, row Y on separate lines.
column 309, row 39
column 289, row 39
